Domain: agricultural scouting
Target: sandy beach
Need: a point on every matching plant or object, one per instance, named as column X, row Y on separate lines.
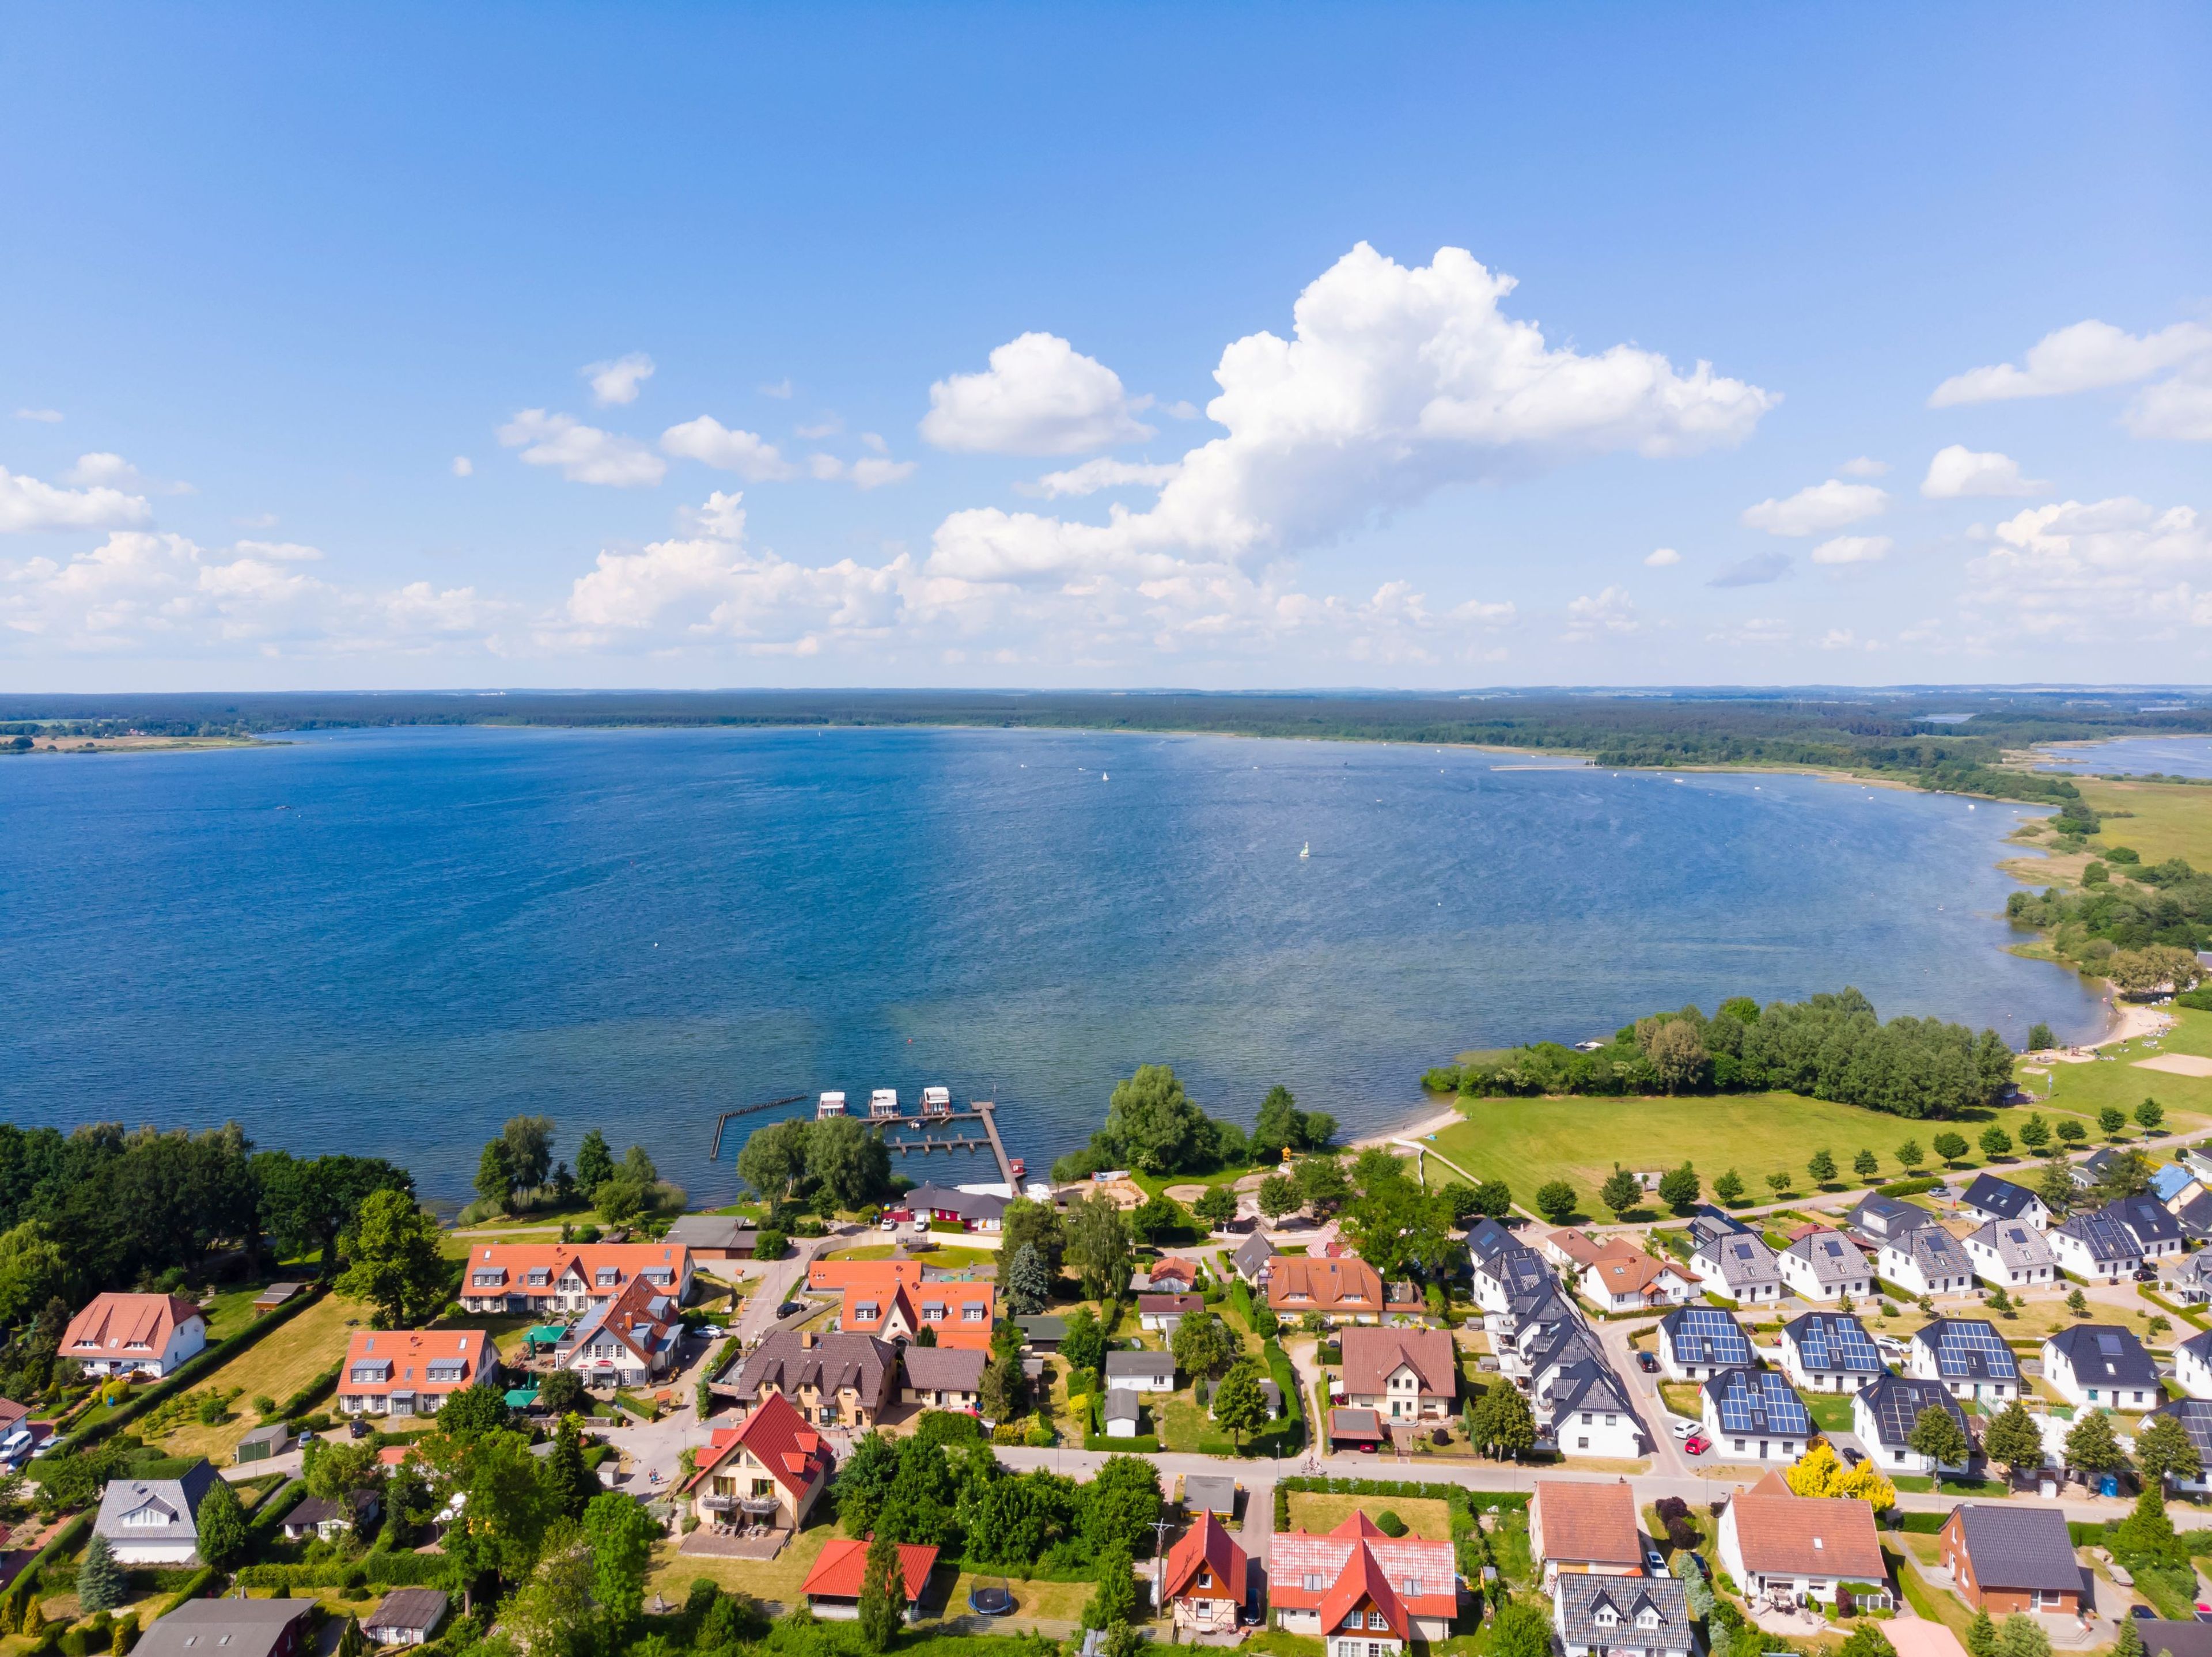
column 1427, row 1122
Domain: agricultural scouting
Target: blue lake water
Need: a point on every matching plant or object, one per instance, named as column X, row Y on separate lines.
column 388, row 942
column 2177, row 756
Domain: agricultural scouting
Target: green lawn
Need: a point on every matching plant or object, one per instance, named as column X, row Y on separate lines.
column 1528, row 1143
column 2084, row 1089
column 1831, row 1412
column 2169, row 820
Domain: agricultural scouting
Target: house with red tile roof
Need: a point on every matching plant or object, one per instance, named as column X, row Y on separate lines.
column 118, row 1334
column 551, row 1279
column 411, row 1372
column 960, row 1314
column 1363, row 1593
column 1401, row 1374
column 1206, row 1580
column 629, row 1340
column 1348, row 1289
column 771, row 1470
column 841, row 1571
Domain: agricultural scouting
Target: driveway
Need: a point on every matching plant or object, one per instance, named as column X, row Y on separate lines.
column 1667, row 1455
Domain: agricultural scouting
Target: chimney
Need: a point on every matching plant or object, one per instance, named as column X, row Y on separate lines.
column 806, row 1340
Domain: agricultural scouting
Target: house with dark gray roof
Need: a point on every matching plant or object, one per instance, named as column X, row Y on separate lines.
column 234, row 1627
column 1508, row 1273
column 714, row 1236
column 1708, row 1223
column 1586, row 1411
column 2157, row 1234
column 2193, row 1211
column 1967, row 1354
column 2092, row 1169
column 2005, row 1558
column 836, row 1379
column 1738, row 1265
column 1882, row 1220
column 1885, row 1412
column 1823, row 1266
column 2192, row 1364
column 2093, row 1244
column 1250, row 1259
column 1486, row 1239
column 1830, row 1353
column 2101, row 1365
column 1987, row 1198
column 1140, row 1371
column 407, row 1617
column 2195, row 1415
column 1754, row 1414
column 942, row 1377
column 1696, row 1343
column 1623, row 1616
column 1120, row 1411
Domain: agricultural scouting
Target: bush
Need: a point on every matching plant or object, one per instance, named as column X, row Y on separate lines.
column 1906, row 1187
column 1390, row 1524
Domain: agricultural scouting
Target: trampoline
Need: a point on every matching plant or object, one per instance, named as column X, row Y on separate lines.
column 990, row 1602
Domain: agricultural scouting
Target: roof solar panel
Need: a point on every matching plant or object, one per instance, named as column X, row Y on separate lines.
column 1965, row 1349
column 1838, row 1342
column 1706, row 1334
column 1759, row 1401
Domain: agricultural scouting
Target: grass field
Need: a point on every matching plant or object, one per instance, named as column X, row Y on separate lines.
column 2171, row 820
column 672, row 1574
column 1528, row 1143
column 2082, row 1090
column 276, row 1367
column 1313, row 1511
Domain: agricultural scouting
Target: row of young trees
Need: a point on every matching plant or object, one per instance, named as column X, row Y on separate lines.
column 516, row 1171
column 1831, row 1047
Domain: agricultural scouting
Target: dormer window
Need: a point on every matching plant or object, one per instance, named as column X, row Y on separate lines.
column 1647, row 1618
column 607, row 1277
column 1605, row 1617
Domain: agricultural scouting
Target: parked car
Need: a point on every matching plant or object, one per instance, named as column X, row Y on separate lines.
column 2146, row 1612
column 2146, row 1273
column 1647, row 1363
column 1655, row 1560
column 1684, row 1428
column 1698, row 1444
column 1692, row 1564
column 788, row 1308
column 1852, row 1457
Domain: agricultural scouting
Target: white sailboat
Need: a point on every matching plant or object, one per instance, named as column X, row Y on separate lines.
column 1306, row 850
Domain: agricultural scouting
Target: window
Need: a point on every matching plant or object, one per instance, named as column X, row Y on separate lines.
column 1411, row 1588
column 972, row 1313
column 1311, row 1582
column 606, row 1277
column 1377, row 1619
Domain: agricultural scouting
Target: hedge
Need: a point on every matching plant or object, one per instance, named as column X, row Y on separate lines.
column 379, row 1568
column 65, row 1543
column 1907, row 1187
column 271, row 1512
column 1927, row 1524
column 312, row 1394
column 202, row 1581
column 191, row 1371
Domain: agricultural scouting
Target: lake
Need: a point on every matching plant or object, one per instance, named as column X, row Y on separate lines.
column 389, row 941
column 2176, row 756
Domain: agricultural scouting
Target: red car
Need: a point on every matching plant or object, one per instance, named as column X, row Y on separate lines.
column 1697, row 1444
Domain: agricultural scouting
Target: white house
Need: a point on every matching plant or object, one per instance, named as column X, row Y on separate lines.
column 1510, row 1273
column 1927, row 1260
column 1822, row 1265
column 1140, row 1371
column 1967, row 1354
column 120, row 1334
column 155, row 1521
column 1696, row 1343
column 1585, row 1411
column 1772, row 1542
column 1630, row 1280
column 2101, row 1365
column 1884, row 1413
column 1829, row 1352
column 1121, row 1410
column 1738, row 1267
column 2012, row 1254
column 1752, row 1415
column 2095, row 1245
column 2157, row 1234
column 1989, row 1198
column 2192, row 1365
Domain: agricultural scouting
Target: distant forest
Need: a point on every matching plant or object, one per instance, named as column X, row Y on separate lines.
column 1913, row 734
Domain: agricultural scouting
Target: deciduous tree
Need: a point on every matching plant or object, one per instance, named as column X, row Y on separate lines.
column 1950, row 1147
column 2092, row 1447
column 2164, row 1450
column 1866, row 1165
column 1504, row 1423
column 1730, row 1187
column 398, row 1266
column 1822, row 1168
column 1996, row 1141
column 1240, row 1408
column 1555, row 1201
column 2014, row 1440
column 1937, row 1435
column 1098, row 1246
column 1216, row 1207
column 221, row 1526
column 1621, row 1191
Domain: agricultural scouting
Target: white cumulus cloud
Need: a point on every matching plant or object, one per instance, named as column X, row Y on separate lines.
column 1606, row 611
column 616, row 381
column 707, row 440
column 2179, row 407
column 1662, row 558
column 1853, row 549
column 27, row 503
column 584, row 453
column 2084, row 357
column 1104, row 473
column 1040, row 396
column 1397, row 381
column 1817, row 508
column 1865, row 466
column 2079, row 569
column 1959, row 471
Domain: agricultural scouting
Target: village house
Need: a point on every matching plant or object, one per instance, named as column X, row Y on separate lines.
column 1829, row 1352
column 943, row 1377
column 1776, row 1544
column 1347, row 1289
column 1250, row 1259
column 833, row 1586
column 2011, row 1254
column 1885, row 1412
column 235, row 1628
column 2156, row 1232
column 1404, row 1373
column 1511, row 1278
column 152, row 1522
column 2195, row 1415
column 972, row 1210
column 715, row 1238
column 569, row 1279
column 2005, row 1558
column 1967, row 1354
column 1202, row 1493
column 148, row 1335
column 1205, row 1582
column 2192, row 1365
column 1571, row 1250
column 1580, row 1527
column 1989, row 1199
column 405, row 1617
column 1164, row 1313
column 896, row 1300
column 1362, row 1593
column 1169, row 1275
column 1738, row 1267
column 2101, row 1365
column 1121, row 1413
column 1822, row 1265
column 1753, row 1414
column 1622, row 1617
column 411, row 1372
column 1927, row 1260
column 1878, row 1221
column 770, row 1469
column 2188, row 1278
column 1585, row 1409
column 2095, row 1245
column 833, row 1380
column 1696, row 1343
column 629, row 1339
column 1140, row 1371
column 1630, row 1280
column 331, row 1519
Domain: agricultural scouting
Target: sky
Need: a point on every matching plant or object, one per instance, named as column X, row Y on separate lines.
column 1219, row 346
